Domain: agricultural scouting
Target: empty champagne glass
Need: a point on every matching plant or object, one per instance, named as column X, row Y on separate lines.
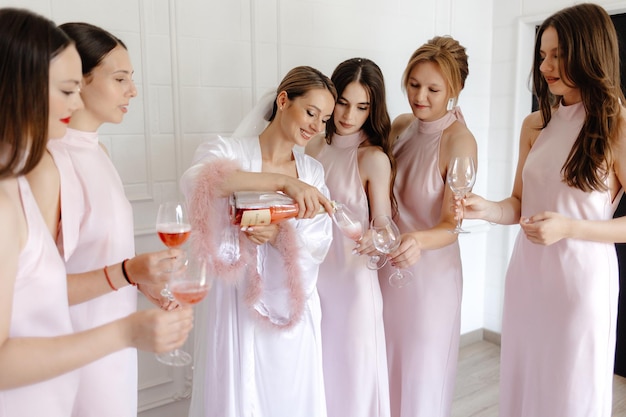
column 386, row 239
column 354, row 229
column 189, row 285
column 173, row 228
column 461, row 177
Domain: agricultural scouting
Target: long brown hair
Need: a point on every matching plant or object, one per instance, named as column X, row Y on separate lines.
column 28, row 42
column 589, row 52
column 299, row 81
column 378, row 124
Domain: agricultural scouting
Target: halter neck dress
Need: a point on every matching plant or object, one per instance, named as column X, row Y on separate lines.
column 560, row 301
column 96, row 229
column 353, row 337
column 422, row 319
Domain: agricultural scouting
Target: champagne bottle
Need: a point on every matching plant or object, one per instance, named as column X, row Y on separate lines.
column 254, row 208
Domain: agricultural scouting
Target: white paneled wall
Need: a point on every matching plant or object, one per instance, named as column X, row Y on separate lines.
column 201, row 64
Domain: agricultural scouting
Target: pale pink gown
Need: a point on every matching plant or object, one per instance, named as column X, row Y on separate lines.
column 39, row 310
column 422, row 319
column 353, row 337
column 97, row 230
column 560, row 303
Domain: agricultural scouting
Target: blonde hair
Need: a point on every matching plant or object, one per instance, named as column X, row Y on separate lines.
column 450, row 57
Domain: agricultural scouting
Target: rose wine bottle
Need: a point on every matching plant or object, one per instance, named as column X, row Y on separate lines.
column 255, row 208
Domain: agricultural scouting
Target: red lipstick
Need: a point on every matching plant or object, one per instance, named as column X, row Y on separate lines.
column 66, row 120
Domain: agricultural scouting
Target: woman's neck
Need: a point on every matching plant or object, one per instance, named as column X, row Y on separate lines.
column 275, row 148
column 84, row 121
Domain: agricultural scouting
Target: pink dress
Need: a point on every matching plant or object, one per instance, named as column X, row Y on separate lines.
column 353, row 337
column 39, row 310
column 97, row 230
column 422, row 319
column 560, row 303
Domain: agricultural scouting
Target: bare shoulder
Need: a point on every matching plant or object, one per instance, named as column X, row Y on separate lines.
column 373, row 155
column 532, row 121
column 315, row 145
column 459, row 130
column 399, row 124
column 12, row 222
column 9, row 198
column 531, row 127
column 45, row 184
column 457, row 136
column 44, row 177
column 373, row 162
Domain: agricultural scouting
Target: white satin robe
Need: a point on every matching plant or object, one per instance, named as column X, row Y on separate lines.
column 243, row 367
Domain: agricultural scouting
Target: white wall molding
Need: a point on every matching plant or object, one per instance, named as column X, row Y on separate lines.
column 176, row 89
column 165, row 389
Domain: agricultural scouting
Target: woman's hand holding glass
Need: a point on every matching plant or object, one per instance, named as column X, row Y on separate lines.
column 150, row 271
column 354, row 229
column 188, row 285
column 461, row 178
column 387, row 238
column 158, row 331
column 173, row 228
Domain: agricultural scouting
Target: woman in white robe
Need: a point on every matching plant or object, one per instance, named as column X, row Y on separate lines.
column 258, row 347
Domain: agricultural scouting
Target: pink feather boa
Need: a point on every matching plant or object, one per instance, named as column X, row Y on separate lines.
column 208, row 212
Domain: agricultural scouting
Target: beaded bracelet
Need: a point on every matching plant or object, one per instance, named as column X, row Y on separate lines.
column 106, row 275
column 126, row 277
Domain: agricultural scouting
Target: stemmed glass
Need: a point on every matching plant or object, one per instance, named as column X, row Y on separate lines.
column 189, row 285
column 461, row 178
column 386, row 239
column 352, row 228
column 173, row 228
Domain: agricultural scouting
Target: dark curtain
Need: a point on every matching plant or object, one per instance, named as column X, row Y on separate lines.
column 620, row 348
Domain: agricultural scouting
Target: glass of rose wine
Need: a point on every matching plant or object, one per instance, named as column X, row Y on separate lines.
column 173, row 228
column 461, row 178
column 354, row 229
column 387, row 238
column 189, row 285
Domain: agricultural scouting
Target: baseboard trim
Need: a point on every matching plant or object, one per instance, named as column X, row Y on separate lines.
column 479, row 335
column 471, row 337
column 491, row 336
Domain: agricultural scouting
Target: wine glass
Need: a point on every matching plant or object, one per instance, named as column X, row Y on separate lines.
column 386, row 239
column 173, row 228
column 352, row 228
column 189, row 285
column 461, row 177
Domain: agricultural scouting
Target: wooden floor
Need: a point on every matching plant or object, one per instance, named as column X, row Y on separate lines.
column 477, row 383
